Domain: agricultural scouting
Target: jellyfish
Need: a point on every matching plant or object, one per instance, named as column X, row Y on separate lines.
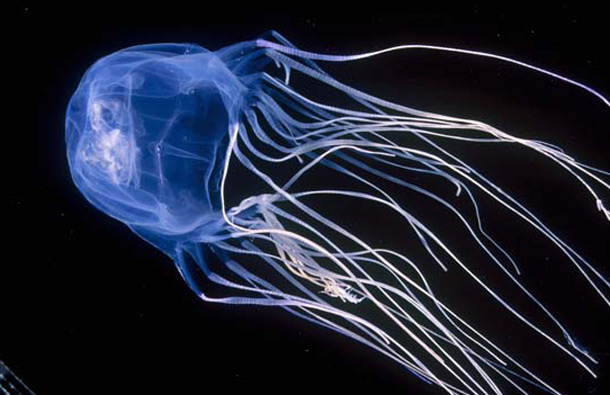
column 156, row 133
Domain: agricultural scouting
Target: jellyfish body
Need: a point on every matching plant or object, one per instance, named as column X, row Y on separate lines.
column 152, row 132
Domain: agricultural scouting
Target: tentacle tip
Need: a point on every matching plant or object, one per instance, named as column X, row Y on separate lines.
column 600, row 207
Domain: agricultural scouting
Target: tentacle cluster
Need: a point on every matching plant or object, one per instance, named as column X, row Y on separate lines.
column 330, row 284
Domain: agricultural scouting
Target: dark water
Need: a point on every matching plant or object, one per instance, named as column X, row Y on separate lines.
column 89, row 308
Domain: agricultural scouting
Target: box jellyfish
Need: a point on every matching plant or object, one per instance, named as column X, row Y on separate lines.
column 156, row 133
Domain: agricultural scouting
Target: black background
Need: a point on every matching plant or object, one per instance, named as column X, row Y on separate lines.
column 87, row 307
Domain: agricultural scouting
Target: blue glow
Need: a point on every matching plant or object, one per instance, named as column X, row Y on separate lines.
column 152, row 132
